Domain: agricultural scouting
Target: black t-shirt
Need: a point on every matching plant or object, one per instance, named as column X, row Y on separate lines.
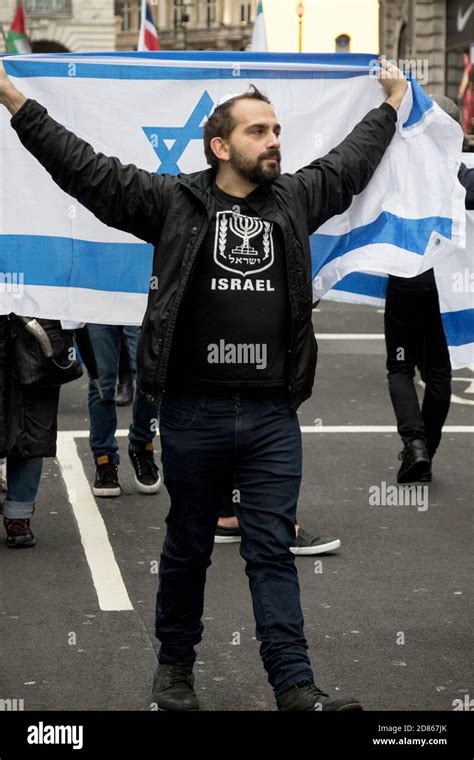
column 234, row 322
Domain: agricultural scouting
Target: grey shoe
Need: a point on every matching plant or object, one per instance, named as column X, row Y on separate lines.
column 173, row 688
column 307, row 545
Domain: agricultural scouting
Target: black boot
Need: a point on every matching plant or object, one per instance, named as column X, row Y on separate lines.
column 173, row 688
column 306, row 697
column 416, row 462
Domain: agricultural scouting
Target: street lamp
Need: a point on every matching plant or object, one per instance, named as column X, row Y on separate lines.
column 300, row 12
column 182, row 20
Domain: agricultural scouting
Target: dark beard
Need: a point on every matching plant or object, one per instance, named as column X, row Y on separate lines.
column 255, row 172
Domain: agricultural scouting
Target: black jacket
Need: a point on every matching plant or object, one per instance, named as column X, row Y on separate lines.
column 173, row 213
column 28, row 416
column 466, row 178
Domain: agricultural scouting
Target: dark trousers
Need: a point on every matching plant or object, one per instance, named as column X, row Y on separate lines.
column 415, row 337
column 211, row 444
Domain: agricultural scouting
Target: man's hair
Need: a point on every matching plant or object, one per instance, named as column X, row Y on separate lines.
column 221, row 123
column 448, row 105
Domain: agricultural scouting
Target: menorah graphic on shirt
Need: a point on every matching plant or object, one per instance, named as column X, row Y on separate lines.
column 246, row 227
column 243, row 258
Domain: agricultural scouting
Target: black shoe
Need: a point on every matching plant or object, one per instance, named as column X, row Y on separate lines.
column 306, row 697
column 147, row 474
column 426, row 477
column 19, row 535
column 415, row 462
column 227, row 535
column 125, row 391
column 173, row 688
column 106, row 478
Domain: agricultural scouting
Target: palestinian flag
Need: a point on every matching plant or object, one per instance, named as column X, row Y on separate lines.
column 17, row 40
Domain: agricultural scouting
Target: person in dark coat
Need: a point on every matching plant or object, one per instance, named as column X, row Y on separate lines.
column 415, row 338
column 28, row 427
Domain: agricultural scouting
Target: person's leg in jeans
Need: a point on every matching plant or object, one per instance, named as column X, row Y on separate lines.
column 436, row 373
column 145, row 415
column 23, row 479
column 208, row 444
column 200, row 449
column 143, row 427
column 197, row 457
column 105, row 341
column 267, row 478
column 125, row 386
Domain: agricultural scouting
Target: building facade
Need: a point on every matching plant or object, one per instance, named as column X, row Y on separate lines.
column 65, row 25
column 436, row 31
column 437, row 37
column 196, row 25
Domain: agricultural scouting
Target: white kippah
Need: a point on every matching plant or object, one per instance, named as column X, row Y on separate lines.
column 224, row 99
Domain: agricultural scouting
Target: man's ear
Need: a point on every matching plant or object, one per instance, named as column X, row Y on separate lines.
column 219, row 148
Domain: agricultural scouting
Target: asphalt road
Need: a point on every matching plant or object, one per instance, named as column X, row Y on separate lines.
column 388, row 617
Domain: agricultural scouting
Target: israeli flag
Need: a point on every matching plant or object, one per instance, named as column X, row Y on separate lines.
column 57, row 260
column 454, row 275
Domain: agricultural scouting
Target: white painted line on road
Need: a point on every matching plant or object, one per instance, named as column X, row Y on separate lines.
column 106, row 575
column 69, row 435
column 375, row 429
column 349, row 336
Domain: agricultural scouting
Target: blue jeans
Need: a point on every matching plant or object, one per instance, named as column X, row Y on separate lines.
column 23, row 479
column 105, row 341
column 213, row 443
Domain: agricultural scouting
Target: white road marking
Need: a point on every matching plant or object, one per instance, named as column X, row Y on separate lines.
column 69, row 435
column 106, row 575
column 349, row 336
column 375, row 429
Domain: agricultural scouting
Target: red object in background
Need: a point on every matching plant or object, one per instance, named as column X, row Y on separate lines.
column 467, row 92
column 18, row 23
column 148, row 36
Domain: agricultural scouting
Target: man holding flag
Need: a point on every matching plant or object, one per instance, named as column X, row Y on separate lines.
column 230, row 358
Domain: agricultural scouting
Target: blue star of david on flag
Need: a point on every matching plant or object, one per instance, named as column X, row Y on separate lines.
column 178, row 137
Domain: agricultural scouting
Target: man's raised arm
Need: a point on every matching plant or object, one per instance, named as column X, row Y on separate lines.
column 119, row 195
column 330, row 183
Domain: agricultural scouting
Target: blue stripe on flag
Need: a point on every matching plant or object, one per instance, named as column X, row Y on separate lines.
column 421, row 104
column 328, row 59
column 408, row 234
column 364, row 284
column 459, row 327
column 62, row 262
column 27, row 68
